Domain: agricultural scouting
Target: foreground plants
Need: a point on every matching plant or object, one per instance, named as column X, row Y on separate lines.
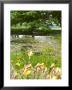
column 41, row 60
column 39, row 71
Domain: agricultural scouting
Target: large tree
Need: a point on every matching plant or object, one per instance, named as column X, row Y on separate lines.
column 34, row 20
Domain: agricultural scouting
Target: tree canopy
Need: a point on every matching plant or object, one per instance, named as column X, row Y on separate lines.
column 34, row 20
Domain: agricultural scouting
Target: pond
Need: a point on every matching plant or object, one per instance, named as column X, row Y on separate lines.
column 28, row 39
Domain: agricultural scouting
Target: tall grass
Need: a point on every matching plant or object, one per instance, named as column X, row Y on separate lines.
column 48, row 55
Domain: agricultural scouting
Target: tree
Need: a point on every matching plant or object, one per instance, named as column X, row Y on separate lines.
column 34, row 21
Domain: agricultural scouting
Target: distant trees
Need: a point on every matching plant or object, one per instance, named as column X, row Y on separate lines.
column 34, row 20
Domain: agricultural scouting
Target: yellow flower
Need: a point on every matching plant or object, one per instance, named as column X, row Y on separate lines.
column 52, row 65
column 48, row 77
column 30, row 53
column 54, row 78
column 45, row 69
column 55, row 73
column 40, row 67
column 27, row 69
column 58, row 72
column 26, row 72
column 28, row 66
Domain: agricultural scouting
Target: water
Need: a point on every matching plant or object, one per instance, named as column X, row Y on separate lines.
column 40, row 38
column 45, row 39
column 36, row 42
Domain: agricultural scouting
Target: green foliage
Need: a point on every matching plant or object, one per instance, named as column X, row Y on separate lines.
column 29, row 16
column 33, row 20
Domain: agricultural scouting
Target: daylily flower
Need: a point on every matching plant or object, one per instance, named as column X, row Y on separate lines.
column 28, row 66
column 40, row 67
column 54, row 78
column 30, row 53
column 58, row 72
column 26, row 72
column 52, row 65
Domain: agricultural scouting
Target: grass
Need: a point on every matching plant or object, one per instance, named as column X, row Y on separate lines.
column 47, row 56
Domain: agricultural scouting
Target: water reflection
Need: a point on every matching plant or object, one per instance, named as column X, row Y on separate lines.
column 21, row 42
column 39, row 38
column 20, row 36
column 29, row 36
